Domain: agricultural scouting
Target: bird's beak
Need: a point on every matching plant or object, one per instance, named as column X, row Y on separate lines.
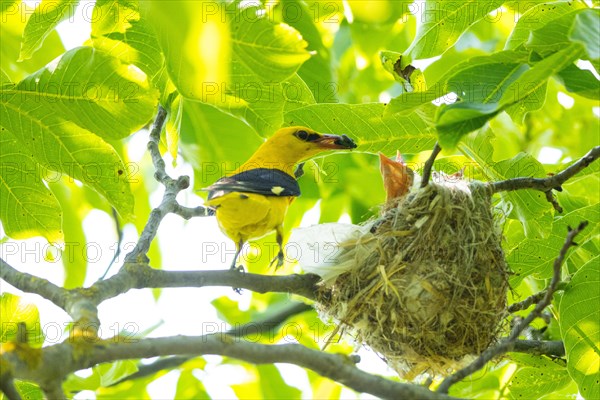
column 327, row 141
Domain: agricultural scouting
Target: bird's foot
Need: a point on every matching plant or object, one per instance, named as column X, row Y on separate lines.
column 279, row 258
column 240, row 268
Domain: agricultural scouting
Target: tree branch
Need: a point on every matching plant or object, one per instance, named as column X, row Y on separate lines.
column 60, row 359
column 550, row 348
column 169, row 203
column 7, row 386
column 137, row 276
column 546, row 184
column 429, row 165
column 268, row 324
column 509, row 344
column 32, row 284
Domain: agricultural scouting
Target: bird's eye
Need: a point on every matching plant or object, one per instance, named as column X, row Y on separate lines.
column 302, row 135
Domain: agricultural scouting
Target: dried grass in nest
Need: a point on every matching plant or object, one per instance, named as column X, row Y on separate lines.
column 427, row 286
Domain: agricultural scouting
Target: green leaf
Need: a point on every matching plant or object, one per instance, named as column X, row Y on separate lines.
column 273, row 385
column 443, row 22
column 74, row 208
column 553, row 36
column 115, row 371
column 214, row 142
column 453, row 121
column 316, row 71
column 118, row 29
column 581, row 82
column 15, row 311
column 538, row 16
column 480, row 78
column 528, row 206
column 586, row 30
column 411, row 78
column 59, row 114
column 29, row 391
column 364, row 123
column 28, row 207
column 42, row 22
column 190, row 387
column 4, row 78
column 580, row 327
column 535, row 256
column 528, row 92
column 11, row 31
column 536, row 376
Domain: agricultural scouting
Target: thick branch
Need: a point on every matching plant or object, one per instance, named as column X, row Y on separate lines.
column 509, row 344
column 545, row 184
column 60, row 359
column 33, row 284
column 137, row 276
column 429, row 165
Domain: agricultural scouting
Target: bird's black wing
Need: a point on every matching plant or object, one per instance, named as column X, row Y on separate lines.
column 265, row 181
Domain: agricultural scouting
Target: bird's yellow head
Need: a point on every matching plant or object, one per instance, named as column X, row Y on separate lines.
column 290, row 145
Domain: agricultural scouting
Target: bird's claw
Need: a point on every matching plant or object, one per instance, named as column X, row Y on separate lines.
column 279, row 258
column 241, row 270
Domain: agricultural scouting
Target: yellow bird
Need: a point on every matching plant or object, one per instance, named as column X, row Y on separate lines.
column 254, row 199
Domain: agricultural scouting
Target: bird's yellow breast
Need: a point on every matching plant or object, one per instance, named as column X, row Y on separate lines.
column 244, row 216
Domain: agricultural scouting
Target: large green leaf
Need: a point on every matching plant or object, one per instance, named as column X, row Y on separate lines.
column 579, row 318
column 581, row 82
column 517, row 89
column 554, row 35
column 11, row 34
column 316, row 71
column 538, row 16
column 60, row 114
column 586, row 30
column 480, row 78
column 247, row 67
column 28, row 207
column 528, row 206
column 42, row 22
column 118, row 29
column 443, row 22
column 214, row 142
column 535, row 256
column 364, row 123
column 536, row 376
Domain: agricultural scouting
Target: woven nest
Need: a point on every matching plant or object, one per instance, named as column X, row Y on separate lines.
column 427, row 285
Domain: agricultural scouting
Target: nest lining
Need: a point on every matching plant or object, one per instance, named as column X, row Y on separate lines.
column 427, row 285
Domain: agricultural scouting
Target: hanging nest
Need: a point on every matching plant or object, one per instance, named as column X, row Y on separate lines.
column 426, row 285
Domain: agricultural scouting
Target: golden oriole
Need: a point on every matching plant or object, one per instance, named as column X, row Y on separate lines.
column 253, row 200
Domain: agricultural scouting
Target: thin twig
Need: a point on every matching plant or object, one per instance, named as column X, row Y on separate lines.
column 268, row 324
column 169, row 203
column 508, row 344
column 551, row 182
column 429, row 165
column 119, row 230
column 550, row 348
column 528, row 302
